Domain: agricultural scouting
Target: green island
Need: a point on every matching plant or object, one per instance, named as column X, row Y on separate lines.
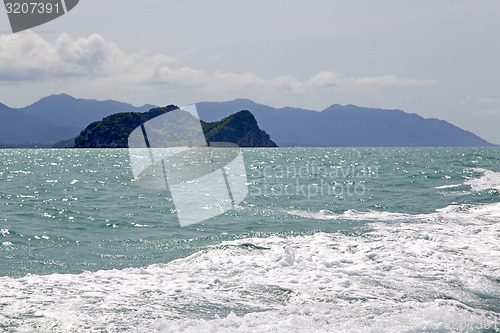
column 113, row 131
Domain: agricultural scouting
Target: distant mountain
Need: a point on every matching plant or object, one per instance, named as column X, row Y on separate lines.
column 19, row 129
column 54, row 118
column 64, row 110
column 61, row 117
column 113, row 131
column 349, row 125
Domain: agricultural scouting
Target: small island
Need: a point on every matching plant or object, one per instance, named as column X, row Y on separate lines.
column 113, row 131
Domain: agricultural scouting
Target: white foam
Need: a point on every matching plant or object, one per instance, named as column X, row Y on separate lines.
column 428, row 317
column 402, row 276
column 460, row 213
column 489, row 180
column 350, row 214
column 448, row 186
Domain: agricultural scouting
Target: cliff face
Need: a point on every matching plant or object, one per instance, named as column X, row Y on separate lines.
column 240, row 128
column 113, row 131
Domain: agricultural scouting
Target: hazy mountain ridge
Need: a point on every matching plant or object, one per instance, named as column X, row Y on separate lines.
column 44, row 122
column 20, row 129
column 348, row 125
column 54, row 118
column 65, row 110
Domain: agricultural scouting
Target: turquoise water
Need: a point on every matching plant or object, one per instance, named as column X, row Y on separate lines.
column 333, row 239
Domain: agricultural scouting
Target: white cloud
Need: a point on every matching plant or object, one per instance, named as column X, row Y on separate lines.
column 332, row 79
column 481, row 100
column 27, row 57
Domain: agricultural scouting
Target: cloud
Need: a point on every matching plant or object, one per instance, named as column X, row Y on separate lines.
column 480, row 100
column 483, row 106
column 332, row 79
column 28, row 57
column 487, row 112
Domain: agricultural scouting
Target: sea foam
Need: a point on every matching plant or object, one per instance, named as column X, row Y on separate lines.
column 489, row 180
column 403, row 275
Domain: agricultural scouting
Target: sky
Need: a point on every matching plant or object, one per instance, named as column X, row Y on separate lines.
column 439, row 59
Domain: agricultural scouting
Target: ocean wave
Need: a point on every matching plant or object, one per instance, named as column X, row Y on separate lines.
column 350, row 214
column 406, row 275
column 490, row 180
column 447, row 186
column 461, row 213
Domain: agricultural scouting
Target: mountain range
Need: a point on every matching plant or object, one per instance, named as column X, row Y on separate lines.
column 64, row 110
column 20, row 129
column 345, row 126
column 54, row 118
column 62, row 117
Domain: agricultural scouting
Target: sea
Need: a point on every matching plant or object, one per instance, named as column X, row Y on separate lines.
column 327, row 240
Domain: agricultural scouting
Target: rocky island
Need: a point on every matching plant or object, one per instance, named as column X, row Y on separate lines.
column 113, row 131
